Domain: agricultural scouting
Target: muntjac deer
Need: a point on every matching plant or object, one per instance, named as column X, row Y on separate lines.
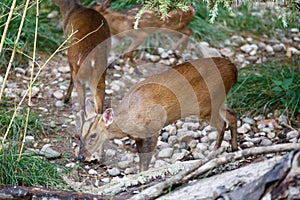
column 123, row 21
column 193, row 88
column 88, row 51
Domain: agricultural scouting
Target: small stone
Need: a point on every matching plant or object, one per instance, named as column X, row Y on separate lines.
column 130, row 170
column 265, row 142
column 154, row 58
column 172, row 140
column 192, row 144
column 20, row 70
column 279, row 47
column 186, row 137
column 198, row 155
column 160, row 50
column 269, row 49
column 124, row 164
column 204, row 139
column 165, row 136
column 267, row 130
column 59, row 103
column 202, row 146
column 48, row 152
column 261, row 126
column 65, row 69
column 70, row 165
column 247, row 144
column 177, row 156
column 296, row 39
column 252, row 56
column 248, row 120
column 261, row 45
column 164, row 55
column 292, row 134
column 244, row 128
column 173, row 130
column 58, row 94
column 29, row 139
column 165, row 153
column 118, row 142
column 271, row 135
column 294, row 30
column 110, row 153
column 92, row 172
column 109, row 91
column 160, row 163
column 227, row 52
column 105, row 180
column 114, row 171
column 213, row 135
column 246, row 48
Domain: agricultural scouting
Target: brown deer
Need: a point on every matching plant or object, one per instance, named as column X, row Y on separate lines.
column 193, row 88
column 122, row 23
column 88, row 51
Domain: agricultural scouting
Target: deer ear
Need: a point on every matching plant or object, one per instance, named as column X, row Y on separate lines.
column 107, row 116
column 90, row 111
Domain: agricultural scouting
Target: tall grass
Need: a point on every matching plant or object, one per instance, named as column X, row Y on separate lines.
column 49, row 37
column 24, row 170
column 267, row 87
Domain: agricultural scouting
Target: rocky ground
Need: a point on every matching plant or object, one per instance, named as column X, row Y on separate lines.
column 186, row 139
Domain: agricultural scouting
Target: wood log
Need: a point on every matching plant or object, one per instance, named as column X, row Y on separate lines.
column 23, row 192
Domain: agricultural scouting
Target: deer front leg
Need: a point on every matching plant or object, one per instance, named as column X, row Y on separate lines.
column 71, row 86
column 100, row 94
column 81, row 93
column 145, row 148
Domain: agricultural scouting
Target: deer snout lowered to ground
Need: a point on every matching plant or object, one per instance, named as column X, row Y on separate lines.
column 121, row 24
column 88, row 50
column 197, row 88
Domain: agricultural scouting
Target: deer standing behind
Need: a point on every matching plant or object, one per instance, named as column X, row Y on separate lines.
column 193, row 88
column 122, row 22
column 88, row 51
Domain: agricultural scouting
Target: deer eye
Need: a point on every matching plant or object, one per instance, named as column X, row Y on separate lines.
column 92, row 138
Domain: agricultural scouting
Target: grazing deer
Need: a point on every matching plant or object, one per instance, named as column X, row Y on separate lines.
column 88, row 51
column 121, row 24
column 197, row 88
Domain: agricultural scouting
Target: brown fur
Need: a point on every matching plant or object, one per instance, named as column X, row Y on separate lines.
column 122, row 21
column 87, row 54
column 193, row 88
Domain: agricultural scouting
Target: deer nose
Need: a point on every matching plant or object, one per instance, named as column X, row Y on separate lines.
column 81, row 157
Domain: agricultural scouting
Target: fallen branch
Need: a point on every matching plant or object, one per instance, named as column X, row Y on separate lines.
column 201, row 168
column 23, row 192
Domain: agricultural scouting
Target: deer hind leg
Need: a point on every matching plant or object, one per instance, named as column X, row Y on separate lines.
column 232, row 120
column 146, row 148
column 71, row 86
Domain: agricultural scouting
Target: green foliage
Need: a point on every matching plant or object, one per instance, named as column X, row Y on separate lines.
column 49, row 37
column 29, row 171
column 35, row 126
column 267, row 87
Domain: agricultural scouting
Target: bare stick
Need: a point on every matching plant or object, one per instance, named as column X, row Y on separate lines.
column 26, row 93
column 15, row 47
column 200, row 168
column 13, row 5
column 31, row 78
